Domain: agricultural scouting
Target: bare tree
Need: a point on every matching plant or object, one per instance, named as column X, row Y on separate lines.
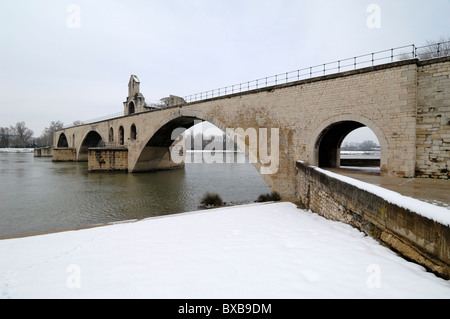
column 77, row 123
column 434, row 49
column 5, row 134
column 47, row 137
column 431, row 50
column 21, row 133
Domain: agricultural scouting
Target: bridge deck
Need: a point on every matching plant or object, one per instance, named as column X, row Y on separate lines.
column 433, row 191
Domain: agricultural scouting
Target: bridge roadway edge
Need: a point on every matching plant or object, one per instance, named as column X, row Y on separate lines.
column 411, row 235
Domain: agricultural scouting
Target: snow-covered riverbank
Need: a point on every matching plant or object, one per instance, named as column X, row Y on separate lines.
column 251, row 251
column 16, row 150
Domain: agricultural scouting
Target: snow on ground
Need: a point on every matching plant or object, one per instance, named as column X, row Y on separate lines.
column 430, row 211
column 252, row 251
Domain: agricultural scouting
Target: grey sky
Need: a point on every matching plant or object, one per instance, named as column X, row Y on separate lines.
column 50, row 72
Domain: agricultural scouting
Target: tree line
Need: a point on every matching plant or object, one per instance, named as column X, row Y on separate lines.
column 19, row 135
column 364, row 146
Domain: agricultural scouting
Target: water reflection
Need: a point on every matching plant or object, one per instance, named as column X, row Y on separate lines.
column 37, row 194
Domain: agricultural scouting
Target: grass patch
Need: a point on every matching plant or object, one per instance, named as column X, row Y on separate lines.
column 272, row 197
column 212, row 200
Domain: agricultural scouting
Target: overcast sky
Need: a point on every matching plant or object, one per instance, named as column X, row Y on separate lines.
column 71, row 60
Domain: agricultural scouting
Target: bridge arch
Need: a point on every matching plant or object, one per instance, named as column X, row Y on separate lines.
column 111, row 135
column 121, row 135
column 92, row 139
column 133, row 132
column 131, row 108
column 156, row 153
column 325, row 142
column 62, row 141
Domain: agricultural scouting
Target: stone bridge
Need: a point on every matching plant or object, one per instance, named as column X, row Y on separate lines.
column 406, row 104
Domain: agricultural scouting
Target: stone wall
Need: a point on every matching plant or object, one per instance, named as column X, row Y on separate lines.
column 406, row 105
column 43, row 152
column 433, row 119
column 100, row 159
column 413, row 236
column 66, row 154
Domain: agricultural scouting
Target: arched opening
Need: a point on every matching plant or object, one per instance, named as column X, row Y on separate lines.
column 92, row 139
column 111, row 135
column 62, row 141
column 219, row 169
column 157, row 154
column 348, row 144
column 131, row 108
column 133, row 132
column 361, row 151
column 121, row 136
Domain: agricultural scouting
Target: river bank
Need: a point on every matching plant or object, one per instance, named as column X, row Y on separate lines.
column 250, row 251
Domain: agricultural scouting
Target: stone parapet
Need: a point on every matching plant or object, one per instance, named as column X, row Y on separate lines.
column 412, row 235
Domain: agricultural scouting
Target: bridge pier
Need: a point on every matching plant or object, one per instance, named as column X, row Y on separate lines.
column 64, row 154
column 155, row 158
column 108, row 159
column 43, row 152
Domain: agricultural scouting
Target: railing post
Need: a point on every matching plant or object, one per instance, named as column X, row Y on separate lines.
column 267, row 80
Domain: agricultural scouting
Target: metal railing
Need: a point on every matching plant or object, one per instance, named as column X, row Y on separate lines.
column 152, row 105
column 354, row 63
column 111, row 145
column 358, row 62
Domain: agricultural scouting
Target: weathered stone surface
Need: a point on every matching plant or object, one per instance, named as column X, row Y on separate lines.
column 67, row 154
column 406, row 107
column 103, row 159
column 415, row 237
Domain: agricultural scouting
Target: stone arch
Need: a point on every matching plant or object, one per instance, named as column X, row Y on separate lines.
column 111, row 135
column 131, row 108
column 121, row 136
column 133, row 132
column 92, row 139
column 325, row 142
column 62, row 141
column 155, row 153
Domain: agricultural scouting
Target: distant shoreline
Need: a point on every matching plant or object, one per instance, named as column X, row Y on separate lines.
column 16, row 150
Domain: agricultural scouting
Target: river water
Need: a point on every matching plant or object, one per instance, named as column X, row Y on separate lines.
column 39, row 195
